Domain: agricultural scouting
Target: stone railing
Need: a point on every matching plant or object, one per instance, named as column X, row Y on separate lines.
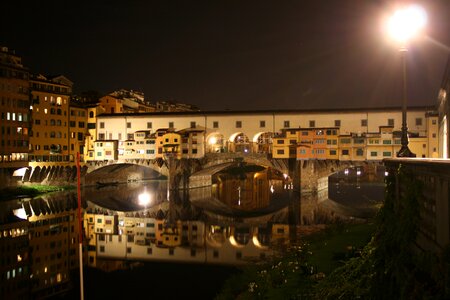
column 433, row 177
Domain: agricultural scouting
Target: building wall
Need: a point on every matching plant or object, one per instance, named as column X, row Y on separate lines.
column 50, row 138
column 14, row 110
column 77, row 131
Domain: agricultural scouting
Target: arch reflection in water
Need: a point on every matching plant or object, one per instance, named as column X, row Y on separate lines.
column 128, row 197
column 243, row 190
column 193, row 236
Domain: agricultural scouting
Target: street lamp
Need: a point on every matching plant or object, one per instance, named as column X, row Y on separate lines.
column 403, row 25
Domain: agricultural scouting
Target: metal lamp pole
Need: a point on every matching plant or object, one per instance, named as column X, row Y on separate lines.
column 404, row 150
column 403, row 25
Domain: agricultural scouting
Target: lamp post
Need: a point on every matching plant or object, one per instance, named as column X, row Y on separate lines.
column 403, row 25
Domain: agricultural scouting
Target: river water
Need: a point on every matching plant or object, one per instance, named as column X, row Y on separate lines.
column 238, row 219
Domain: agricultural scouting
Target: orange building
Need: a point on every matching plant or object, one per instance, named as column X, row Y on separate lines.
column 14, row 110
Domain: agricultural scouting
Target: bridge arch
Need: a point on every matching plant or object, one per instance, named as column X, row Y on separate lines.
column 125, row 171
column 215, row 142
column 239, row 143
column 262, row 142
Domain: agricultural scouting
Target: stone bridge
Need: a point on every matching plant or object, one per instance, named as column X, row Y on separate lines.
column 311, row 174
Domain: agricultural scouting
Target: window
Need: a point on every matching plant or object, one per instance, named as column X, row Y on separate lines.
column 280, row 142
column 101, row 136
column 280, row 151
column 373, row 153
column 386, row 153
column 80, row 124
column 344, row 152
column 215, row 124
column 337, row 123
column 346, row 141
column 312, row 123
column 262, row 124
column 433, row 122
column 434, row 135
column 387, row 142
column 331, row 142
column 171, row 125
column 390, row 122
column 364, row 122
column 332, row 152
column 149, row 125
column 149, row 251
column 128, row 124
column 287, row 124
column 193, row 125
column 91, row 114
column 238, row 124
column 102, row 124
column 359, row 152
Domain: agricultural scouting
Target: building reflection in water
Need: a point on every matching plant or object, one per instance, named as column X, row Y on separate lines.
column 46, row 249
column 39, row 237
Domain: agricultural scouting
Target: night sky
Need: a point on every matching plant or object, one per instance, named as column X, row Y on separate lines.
column 237, row 55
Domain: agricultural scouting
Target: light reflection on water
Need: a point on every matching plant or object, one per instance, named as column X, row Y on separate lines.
column 219, row 224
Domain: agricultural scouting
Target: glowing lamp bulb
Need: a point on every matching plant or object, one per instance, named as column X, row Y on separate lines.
column 144, row 199
column 406, row 23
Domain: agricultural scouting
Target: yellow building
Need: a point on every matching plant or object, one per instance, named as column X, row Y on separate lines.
column 49, row 140
column 93, row 111
column 111, row 104
column 14, row 110
column 77, row 130
column 285, row 144
column 172, row 144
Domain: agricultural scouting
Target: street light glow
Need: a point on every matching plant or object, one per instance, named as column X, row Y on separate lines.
column 407, row 22
column 144, row 199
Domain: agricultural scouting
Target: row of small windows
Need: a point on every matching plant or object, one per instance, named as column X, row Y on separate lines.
column 49, row 87
column 4, row 72
column 12, row 116
column 53, row 111
column 333, row 152
column 171, row 251
column 6, row 101
column 262, row 123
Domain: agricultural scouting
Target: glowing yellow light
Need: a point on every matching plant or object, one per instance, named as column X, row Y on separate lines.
column 144, row 199
column 213, row 140
column 407, row 22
